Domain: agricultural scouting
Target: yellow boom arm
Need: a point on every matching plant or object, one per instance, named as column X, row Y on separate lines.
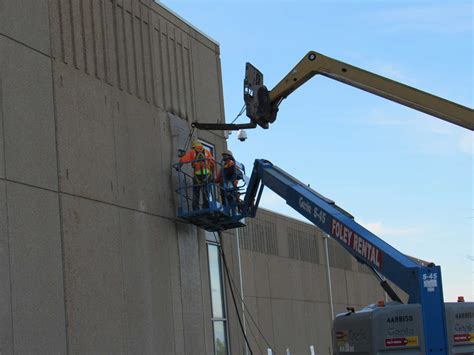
column 262, row 105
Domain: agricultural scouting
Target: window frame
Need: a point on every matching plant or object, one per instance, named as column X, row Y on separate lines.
column 215, row 242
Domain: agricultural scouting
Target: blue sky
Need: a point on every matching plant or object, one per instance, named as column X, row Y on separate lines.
column 404, row 175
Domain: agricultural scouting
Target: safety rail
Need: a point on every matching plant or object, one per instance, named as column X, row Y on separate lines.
column 211, row 205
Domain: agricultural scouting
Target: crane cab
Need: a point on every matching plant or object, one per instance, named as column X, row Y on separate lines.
column 206, row 203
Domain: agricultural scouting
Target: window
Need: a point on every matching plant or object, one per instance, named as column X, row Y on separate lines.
column 210, row 147
column 218, row 305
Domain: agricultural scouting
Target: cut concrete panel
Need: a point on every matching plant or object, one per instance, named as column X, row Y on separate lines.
column 16, row 21
column 148, row 295
column 28, row 115
column 97, row 319
column 86, row 140
column 36, row 270
column 6, row 339
column 139, row 162
column 207, row 88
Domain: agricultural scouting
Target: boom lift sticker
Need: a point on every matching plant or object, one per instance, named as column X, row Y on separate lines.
column 430, row 281
column 407, row 341
column 361, row 246
column 464, row 338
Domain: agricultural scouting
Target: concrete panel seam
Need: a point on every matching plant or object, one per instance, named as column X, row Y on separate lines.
column 9, row 266
column 115, row 154
column 61, row 232
column 127, row 340
column 2, row 118
column 62, row 193
column 24, row 45
column 180, row 288
column 83, row 37
column 73, row 39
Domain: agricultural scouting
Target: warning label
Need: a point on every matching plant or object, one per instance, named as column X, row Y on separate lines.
column 408, row 341
column 342, row 335
column 464, row 338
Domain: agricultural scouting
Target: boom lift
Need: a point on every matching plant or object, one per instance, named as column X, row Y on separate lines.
column 426, row 328
column 262, row 104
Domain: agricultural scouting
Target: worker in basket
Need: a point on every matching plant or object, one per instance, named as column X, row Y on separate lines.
column 228, row 177
column 203, row 164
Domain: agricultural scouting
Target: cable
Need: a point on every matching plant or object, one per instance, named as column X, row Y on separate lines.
column 242, row 110
column 233, row 297
column 250, row 315
column 232, row 285
column 188, row 140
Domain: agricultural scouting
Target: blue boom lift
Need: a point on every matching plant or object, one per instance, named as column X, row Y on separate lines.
column 423, row 284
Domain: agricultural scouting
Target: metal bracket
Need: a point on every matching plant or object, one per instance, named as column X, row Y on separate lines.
column 223, row 126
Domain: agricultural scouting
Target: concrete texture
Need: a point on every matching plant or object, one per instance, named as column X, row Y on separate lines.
column 287, row 292
column 28, row 115
column 16, row 22
column 96, row 97
column 6, row 329
column 36, row 270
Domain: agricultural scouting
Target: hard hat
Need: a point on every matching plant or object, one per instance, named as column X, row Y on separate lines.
column 197, row 144
column 227, row 152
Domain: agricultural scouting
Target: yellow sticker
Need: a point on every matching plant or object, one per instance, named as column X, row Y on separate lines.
column 412, row 341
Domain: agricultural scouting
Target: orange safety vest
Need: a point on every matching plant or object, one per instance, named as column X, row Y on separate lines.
column 201, row 160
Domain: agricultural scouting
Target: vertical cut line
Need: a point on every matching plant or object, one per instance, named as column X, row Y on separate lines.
column 185, row 89
column 160, row 46
column 73, row 38
column 103, row 25
column 191, row 78
column 117, row 54
column 61, row 29
column 170, row 76
column 176, row 70
column 151, row 53
column 125, row 47
column 7, row 219
column 134, row 49
column 94, row 41
column 83, row 33
column 60, row 208
column 2, row 117
column 142, row 46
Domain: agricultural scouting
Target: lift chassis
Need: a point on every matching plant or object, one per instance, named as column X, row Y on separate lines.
column 423, row 284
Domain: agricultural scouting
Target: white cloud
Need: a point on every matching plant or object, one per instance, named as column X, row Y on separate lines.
column 380, row 229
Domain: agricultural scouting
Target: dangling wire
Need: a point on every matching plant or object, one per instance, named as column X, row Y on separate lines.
column 239, row 114
column 188, row 140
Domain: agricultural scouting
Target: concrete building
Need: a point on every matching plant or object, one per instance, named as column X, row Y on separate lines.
column 96, row 96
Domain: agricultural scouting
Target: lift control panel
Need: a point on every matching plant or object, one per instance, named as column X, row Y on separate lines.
column 460, row 327
column 390, row 329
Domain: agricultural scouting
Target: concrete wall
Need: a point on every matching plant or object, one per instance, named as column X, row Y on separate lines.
column 285, row 284
column 96, row 96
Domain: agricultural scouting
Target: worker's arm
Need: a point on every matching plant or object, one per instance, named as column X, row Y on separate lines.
column 188, row 157
column 262, row 105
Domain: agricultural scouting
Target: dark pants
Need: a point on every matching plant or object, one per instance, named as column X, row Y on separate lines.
column 200, row 185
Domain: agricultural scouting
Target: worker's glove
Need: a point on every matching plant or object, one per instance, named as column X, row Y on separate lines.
column 181, row 152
